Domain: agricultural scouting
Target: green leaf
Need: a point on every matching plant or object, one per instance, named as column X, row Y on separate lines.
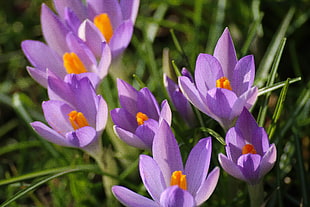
column 214, row 134
column 265, row 90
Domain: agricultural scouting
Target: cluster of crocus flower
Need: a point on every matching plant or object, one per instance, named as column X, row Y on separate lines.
column 82, row 42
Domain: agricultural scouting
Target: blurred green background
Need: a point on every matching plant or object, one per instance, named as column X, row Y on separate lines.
column 197, row 26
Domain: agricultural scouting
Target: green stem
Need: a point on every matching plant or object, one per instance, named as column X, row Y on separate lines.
column 256, row 193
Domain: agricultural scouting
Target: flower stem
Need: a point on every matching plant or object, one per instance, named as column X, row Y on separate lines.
column 256, row 193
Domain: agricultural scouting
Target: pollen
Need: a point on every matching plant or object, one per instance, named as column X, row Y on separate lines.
column 141, row 118
column 103, row 23
column 223, row 82
column 77, row 120
column 248, row 148
column 73, row 64
column 177, row 178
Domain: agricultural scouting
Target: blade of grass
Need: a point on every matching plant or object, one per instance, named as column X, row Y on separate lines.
column 265, row 90
column 214, row 134
column 179, row 48
column 18, row 146
column 270, row 55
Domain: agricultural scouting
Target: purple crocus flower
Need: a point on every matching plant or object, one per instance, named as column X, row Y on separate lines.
column 178, row 99
column 249, row 156
column 65, row 52
column 75, row 114
column 165, row 178
column 223, row 84
column 137, row 121
column 110, row 21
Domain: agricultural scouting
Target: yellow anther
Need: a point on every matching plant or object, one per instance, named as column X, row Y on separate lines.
column 73, row 64
column 77, row 120
column 141, row 118
column 223, row 82
column 177, row 178
column 248, row 148
column 103, row 23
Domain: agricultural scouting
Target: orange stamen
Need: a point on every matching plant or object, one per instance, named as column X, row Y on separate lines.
column 77, row 120
column 177, row 178
column 248, row 148
column 141, row 118
column 73, row 64
column 223, row 82
column 103, row 23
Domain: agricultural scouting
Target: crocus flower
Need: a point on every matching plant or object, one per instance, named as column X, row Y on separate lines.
column 178, row 99
column 223, row 84
column 168, row 182
column 65, row 53
column 249, row 156
column 75, row 114
column 97, row 21
column 137, row 121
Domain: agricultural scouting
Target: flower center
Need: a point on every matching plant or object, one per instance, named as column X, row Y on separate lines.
column 77, row 120
column 177, row 178
column 103, row 23
column 141, row 118
column 73, row 64
column 248, row 148
column 223, row 82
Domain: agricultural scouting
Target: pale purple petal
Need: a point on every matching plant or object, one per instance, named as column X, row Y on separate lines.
column 124, row 119
column 121, row 38
column 38, row 75
column 192, row 94
column 208, row 186
column 176, row 197
column 246, row 124
column 147, row 104
column 197, row 164
column 249, row 165
column 131, row 199
column 250, row 97
column 102, row 114
column 56, row 115
column 36, row 52
column 76, row 5
column 130, row 9
column 59, row 90
column 146, row 131
column 165, row 112
column 50, row 134
column 207, row 71
column 128, row 96
column 260, row 140
column 166, row 151
column 268, row 160
column 130, row 138
column 72, row 21
column 54, row 31
column 152, row 177
column 82, row 137
column 230, row 167
column 234, row 144
column 226, row 54
column 105, row 60
column 243, row 75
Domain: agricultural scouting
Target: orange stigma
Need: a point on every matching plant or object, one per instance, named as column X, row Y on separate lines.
column 77, row 120
column 248, row 148
column 177, row 178
column 73, row 64
column 141, row 118
column 103, row 23
column 223, row 82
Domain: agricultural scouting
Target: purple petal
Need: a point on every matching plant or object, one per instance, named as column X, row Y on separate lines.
column 50, row 134
column 243, row 75
column 92, row 37
column 124, row 120
column 246, row 124
column 250, row 97
column 176, row 197
column 38, row 75
column 152, row 177
column 146, row 132
column 226, row 54
column 260, row 140
column 36, row 52
column 82, row 137
column 234, row 144
column 166, row 151
column 186, row 73
column 207, row 71
column 165, row 112
column 249, row 165
column 130, row 138
column 230, row 167
column 128, row 96
column 56, row 115
column 192, row 94
column 54, row 31
column 76, row 5
column 105, row 60
column 268, row 160
column 121, row 38
column 197, row 164
column 208, row 186
column 59, row 90
column 72, row 21
column 102, row 114
column 131, row 199
column 147, row 104
column 130, row 9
